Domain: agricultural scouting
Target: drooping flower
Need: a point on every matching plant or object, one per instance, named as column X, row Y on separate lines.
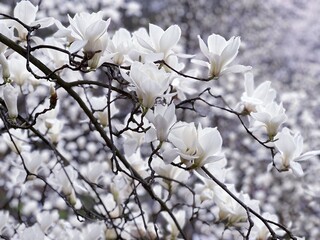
column 220, row 54
column 149, row 82
column 252, row 97
column 290, row 152
column 10, row 97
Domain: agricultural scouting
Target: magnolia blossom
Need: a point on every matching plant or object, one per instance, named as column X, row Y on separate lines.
column 33, row 162
column 169, row 172
column 220, row 54
column 162, row 118
column 65, row 180
column 19, row 74
column 260, row 230
column 172, row 227
column 271, row 116
column 46, row 219
column 149, row 82
column 90, row 33
column 230, row 210
column 252, row 97
column 4, row 30
column 290, row 152
column 26, row 12
column 159, row 41
column 195, row 146
column 10, row 97
column 99, row 104
column 120, row 46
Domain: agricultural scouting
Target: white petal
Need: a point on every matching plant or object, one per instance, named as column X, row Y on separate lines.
column 308, row 155
column 155, row 33
column 216, row 43
column 44, row 22
column 170, row 155
column 296, row 169
column 77, row 45
column 203, row 47
column 170, row 38
column 249, row 83
column 236, row 69
column 231, row 50
column 145, row 44
column 25, row 11
column 200, row 62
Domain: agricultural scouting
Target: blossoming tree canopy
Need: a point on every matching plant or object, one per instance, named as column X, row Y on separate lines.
column 101, row 136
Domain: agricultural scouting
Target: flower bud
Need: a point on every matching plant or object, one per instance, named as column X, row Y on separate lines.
column 5, row 67
column 10, row 95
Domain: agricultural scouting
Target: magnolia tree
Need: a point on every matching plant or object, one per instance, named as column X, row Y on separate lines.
column 105, row 135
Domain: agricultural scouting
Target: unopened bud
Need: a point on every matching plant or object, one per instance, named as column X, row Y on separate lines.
column 5, row 67
column 53, row 97
column 10, row 97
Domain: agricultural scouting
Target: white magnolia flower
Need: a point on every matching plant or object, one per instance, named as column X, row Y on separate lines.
column 220, row 54
column 5, row 67
column 159, row 41
column 90, row 33
column 26, row 12
column 195, row 146
column 120, row 46
column 180, row 216
column 290, row 152
column 169, row 172
column 270, row 116
column 65, row 179
column 100, row 106
column 32, row 161
column 252, row 97
column 230, row 210
column 149, row 82
column 10, row 97
column 4, row 30
column 260, row 230
column 162, row 118
column 46, row 219
column 18, row 72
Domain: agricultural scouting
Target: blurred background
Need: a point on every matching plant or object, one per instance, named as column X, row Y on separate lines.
column 281, row 41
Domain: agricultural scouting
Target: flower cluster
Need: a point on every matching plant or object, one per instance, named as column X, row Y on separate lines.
column 107, row 141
